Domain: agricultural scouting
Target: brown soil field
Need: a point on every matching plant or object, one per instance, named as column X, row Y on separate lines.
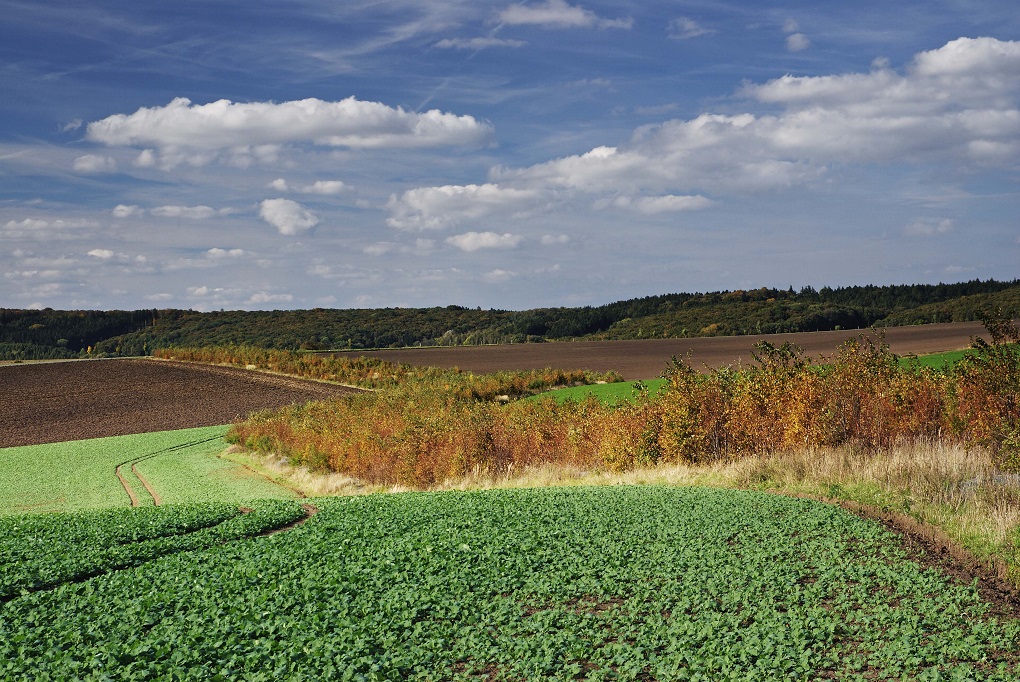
column 60, row 401
column 647, row 359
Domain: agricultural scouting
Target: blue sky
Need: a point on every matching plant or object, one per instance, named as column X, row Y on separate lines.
column 250, row 155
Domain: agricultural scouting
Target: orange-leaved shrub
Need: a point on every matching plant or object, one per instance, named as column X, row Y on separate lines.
column 437, row 425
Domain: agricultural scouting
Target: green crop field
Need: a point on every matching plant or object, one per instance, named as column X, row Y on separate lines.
column 625, row 583
column 181, row 466
column 608, row 393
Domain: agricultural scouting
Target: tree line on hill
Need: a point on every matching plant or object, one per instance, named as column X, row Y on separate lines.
column 54, row 334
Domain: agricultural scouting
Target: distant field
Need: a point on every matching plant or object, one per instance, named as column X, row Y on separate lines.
column 648, row 358
column 181, row 466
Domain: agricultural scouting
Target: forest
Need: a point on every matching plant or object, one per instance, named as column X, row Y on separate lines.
column 55, row 334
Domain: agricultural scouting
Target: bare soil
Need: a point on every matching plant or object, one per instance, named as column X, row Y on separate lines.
column 648, row 358
column 61, row 401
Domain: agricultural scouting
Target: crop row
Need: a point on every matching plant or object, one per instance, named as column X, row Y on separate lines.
column 42, row 551
column 625, row 583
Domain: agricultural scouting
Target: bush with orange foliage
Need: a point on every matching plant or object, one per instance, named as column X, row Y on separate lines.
column 434, row 425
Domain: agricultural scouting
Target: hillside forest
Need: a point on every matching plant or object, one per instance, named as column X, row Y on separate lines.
column 56, row 334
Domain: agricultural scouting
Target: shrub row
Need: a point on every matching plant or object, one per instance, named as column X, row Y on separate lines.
column 431, row 427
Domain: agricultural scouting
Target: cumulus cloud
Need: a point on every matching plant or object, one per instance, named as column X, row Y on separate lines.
column 477, row 43
column 475, row 241
column 245, row 132
column 123, row 211
column 189, row 212
column 95, row 163
column 217, row 253
column 289, row 217
column 685, row 28
column 669, row 203
column 558, row 14
column 430, row 208
column 44, row 229
column 957, row 103
column 797, row 42
column 102, row 254
column 324, row 187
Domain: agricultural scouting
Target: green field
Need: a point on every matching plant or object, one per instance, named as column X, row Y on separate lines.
column 625, row 583
column 182, row 466
column 608, row 393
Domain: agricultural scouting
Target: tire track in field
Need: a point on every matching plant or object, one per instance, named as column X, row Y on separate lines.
column 310, row 510
column 149, row 489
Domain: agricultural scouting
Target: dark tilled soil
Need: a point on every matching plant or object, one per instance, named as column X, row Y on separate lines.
column 61, row 401
column 648, row 358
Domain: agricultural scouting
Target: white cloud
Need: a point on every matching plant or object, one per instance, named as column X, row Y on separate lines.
column 123, row 211
column 474, row 241
column 324, row 187
column 928, row 228
column 217, row 253
column 929, row 113
column 552, row 239
column 558, row 14
column 797, row 42
column 145, row 159
column 289, row 217
column 95, row 163
column 790, row 26
column 685, row 28
column 477, row 43
column 42, row 229
column 247, row 132
column 189, row 212
column 279, row 184
column 71, row 125
column 669, row 203
column 439, row 207
column 102, row 254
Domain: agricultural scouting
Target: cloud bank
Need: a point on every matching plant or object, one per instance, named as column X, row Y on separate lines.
column 201, row 131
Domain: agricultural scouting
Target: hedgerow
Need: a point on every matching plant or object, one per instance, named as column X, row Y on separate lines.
column 433, row 425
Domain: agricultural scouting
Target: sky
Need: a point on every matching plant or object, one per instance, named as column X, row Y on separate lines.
column 361, row 154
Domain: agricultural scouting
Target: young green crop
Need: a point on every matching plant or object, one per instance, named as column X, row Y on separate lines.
column 627, row 583
column 182, row 466
column 41, row 551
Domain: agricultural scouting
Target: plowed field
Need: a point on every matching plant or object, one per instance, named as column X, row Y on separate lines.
column 647, row 358
column 61, row 401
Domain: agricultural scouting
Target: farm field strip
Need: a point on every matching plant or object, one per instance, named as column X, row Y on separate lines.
column 180, row 466
column 626, row 583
